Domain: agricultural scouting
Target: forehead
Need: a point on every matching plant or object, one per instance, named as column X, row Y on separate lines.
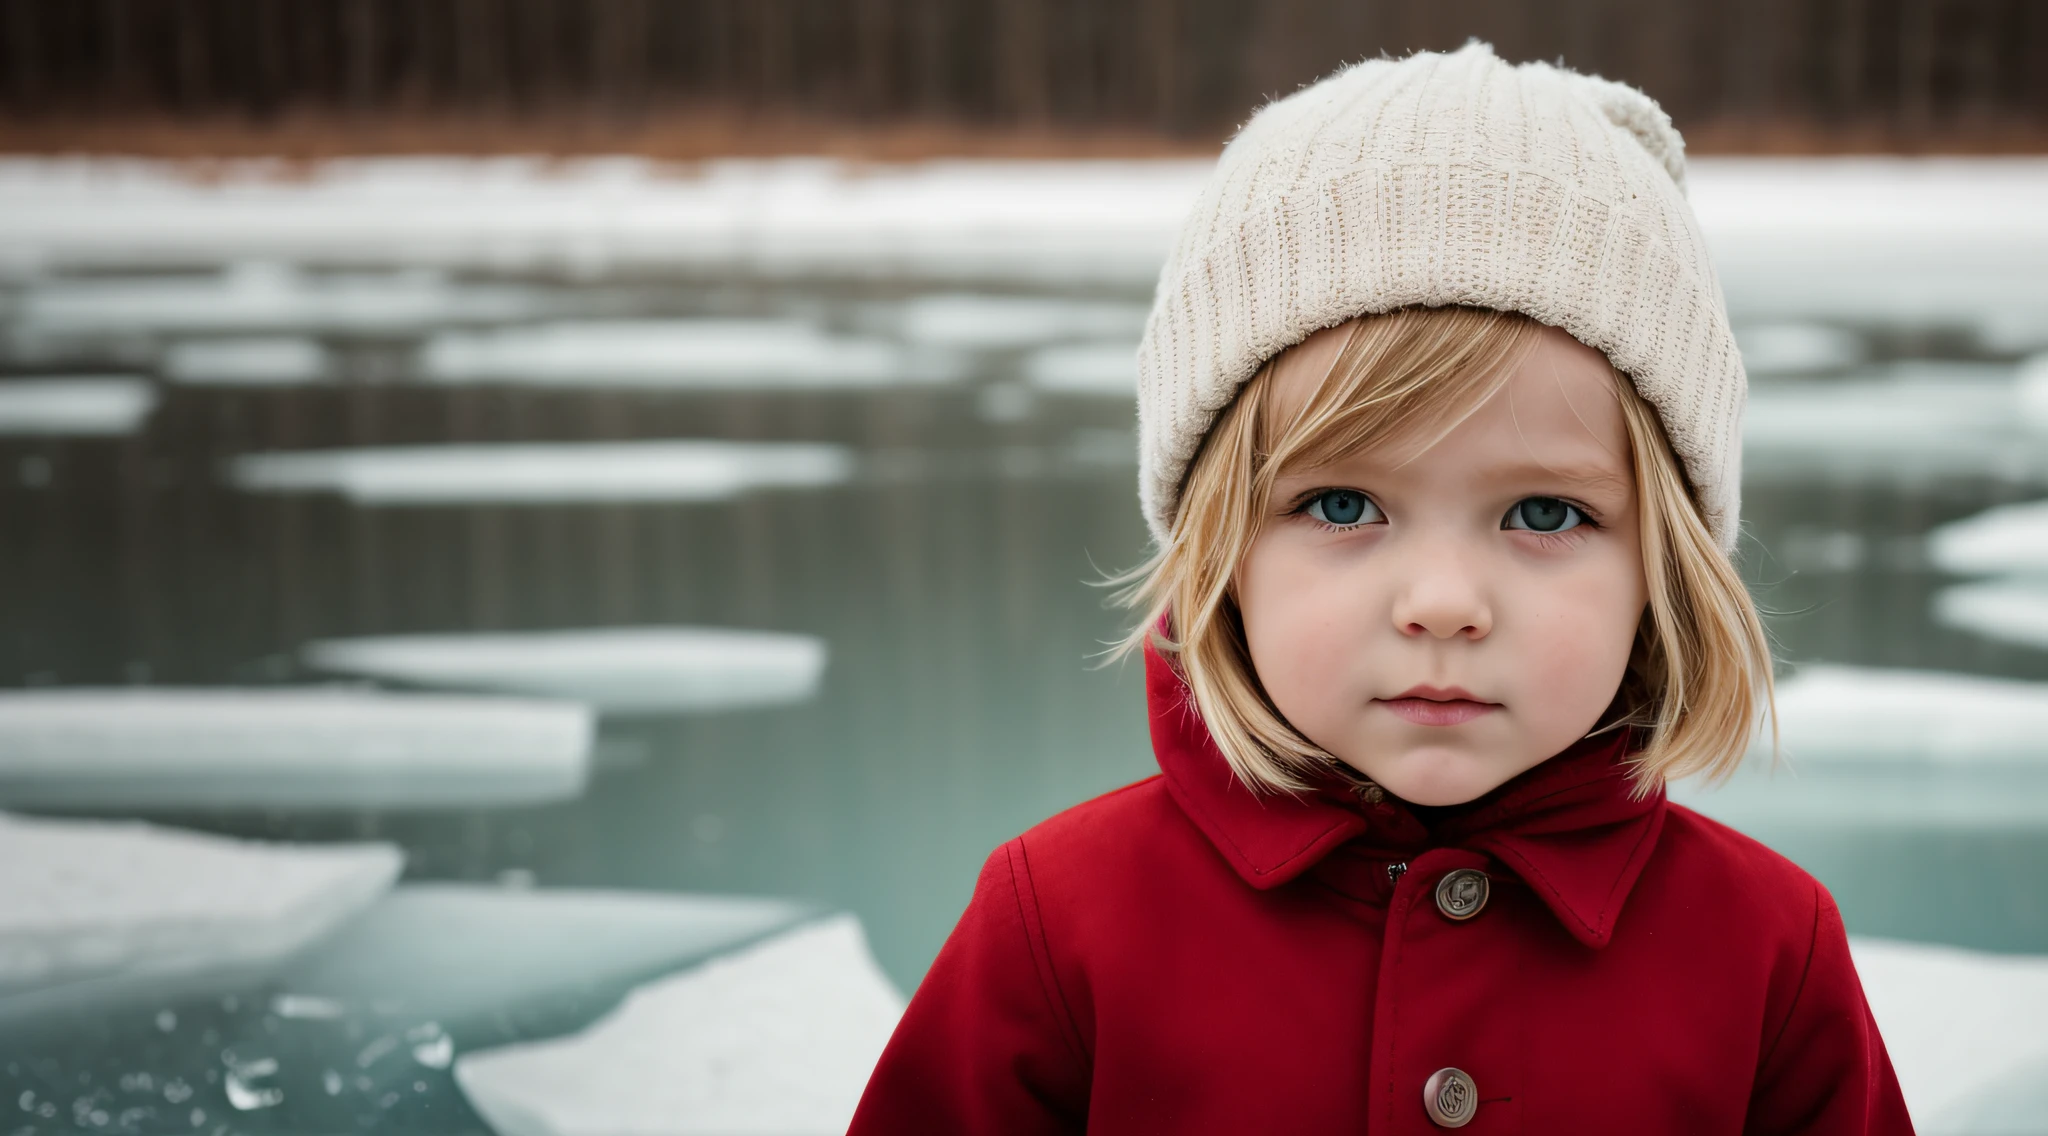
column 1557, row 407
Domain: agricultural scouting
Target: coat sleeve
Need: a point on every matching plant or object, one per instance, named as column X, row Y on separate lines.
column 986, row 1044
column 1827, row 1073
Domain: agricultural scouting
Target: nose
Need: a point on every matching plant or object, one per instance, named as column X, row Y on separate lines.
column 1443, row 598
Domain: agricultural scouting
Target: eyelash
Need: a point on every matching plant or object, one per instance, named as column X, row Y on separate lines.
column 1587, row 519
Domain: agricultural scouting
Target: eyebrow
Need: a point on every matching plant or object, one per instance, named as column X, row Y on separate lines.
column 1585, row 476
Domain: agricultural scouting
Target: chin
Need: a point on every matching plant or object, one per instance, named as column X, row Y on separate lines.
column 1437, row 776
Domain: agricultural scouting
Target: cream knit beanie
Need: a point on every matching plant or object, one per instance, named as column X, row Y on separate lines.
column 1446, row 179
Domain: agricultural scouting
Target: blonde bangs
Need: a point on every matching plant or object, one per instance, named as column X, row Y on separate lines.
column 1701, row 662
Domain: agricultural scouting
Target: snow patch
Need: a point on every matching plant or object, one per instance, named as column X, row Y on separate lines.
column 2010, row 538
column 1913, row 420
column 1109, row 369
column 75, row 405
column 278, row 747
column 778, row 1038
column 983, row 321
column 2013, row 610
column 1797, row 348
column 1861, row 745
column 1963, row 1029
column 672, row 354
column 94, row 902
column 545, row 473
column 634, row 670
column 272, row 361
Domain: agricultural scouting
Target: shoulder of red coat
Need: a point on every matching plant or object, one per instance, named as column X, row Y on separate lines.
column 1709, row 852
column 1131, row 831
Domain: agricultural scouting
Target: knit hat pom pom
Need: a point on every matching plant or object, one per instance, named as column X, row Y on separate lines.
column 1640, row 115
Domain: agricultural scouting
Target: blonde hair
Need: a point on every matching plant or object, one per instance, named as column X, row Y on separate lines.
column 1700, row 668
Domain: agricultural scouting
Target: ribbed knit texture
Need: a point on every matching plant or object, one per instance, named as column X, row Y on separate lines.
column 1446, row 179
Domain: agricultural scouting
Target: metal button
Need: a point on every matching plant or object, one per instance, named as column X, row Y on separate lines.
column 1462, row 893
column 1450, row 1098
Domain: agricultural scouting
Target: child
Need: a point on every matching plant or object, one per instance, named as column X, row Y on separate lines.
column 1439, row 417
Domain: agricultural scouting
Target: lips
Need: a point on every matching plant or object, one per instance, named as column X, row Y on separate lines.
column 1438, row 705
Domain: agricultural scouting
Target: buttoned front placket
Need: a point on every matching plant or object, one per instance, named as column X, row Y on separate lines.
column 1447, row 1027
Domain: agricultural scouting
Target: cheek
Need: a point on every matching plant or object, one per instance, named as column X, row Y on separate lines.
column 1302, row 615
column 1584, row 624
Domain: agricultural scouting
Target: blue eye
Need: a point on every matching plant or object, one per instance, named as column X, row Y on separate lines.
column 1343, row 508
column 1542, row 515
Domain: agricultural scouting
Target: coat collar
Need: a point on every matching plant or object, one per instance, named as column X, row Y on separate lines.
column 1569, row 827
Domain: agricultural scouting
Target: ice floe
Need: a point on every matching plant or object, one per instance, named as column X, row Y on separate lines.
column 1861, row 240
column 546, row 473
column 1911, row 420
column 263, row 747
column 76, row 405
column 778, row 1038
column 1797, row 348
column 628, row 670
column 1095, row 368
column 87, row 905
column 673, row 354
column 265, row 361
column 1964, row 1031
column 2010, row 538
column 464, row 954
column 986, row 321
column 1873, row 745
column 2011, row 610
column 254, row 296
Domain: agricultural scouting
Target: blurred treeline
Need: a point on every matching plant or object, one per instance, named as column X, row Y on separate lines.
column 1755, row 74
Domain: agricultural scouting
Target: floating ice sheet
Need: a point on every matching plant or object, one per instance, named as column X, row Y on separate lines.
column 2012, row 610
column 86, row 905
column 1095, row 368
column 1911, row 420
column 1797, row 348
column 673, row 354
column 2010, row 538
column 546, row 473
column 253, row 295
column 278, row 747
column 983, row 320
column 459, row 954
column 778, row 1038
column 1871, row 745
column 266, row 361
column 76, row 405
column 1964, row 1030
column 645, row 670
column 1859, row 240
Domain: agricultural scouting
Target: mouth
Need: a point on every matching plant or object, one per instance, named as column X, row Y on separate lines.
column 1437, row 705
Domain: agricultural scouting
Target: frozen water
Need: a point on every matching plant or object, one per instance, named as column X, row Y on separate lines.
column 1797, row 348
column 263, row 747
column 1964, row 1030
column 253, row 296
column 2013, row 610
column 1922, row 748
column 778, row 1038
column 76, row 405
column 268, row 361
column 1911, row 421
column 546, row 473
column 2010, row 538
column 673, row 354
column 1098, row 369
column 647, row 670
column 2030, row 385
column 1860, row 240
column 984, row 321
column 87, row 904
column 461, row 954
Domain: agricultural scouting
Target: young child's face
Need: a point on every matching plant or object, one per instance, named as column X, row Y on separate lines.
column 1444, row 618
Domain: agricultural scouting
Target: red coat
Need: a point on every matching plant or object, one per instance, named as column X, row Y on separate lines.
column 1179, row 956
